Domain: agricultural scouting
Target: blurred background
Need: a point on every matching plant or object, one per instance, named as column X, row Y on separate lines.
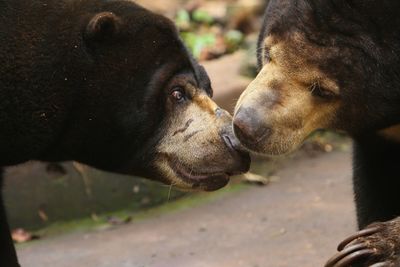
column 287, row 212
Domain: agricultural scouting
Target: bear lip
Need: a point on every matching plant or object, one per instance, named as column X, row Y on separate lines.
column 206, row 181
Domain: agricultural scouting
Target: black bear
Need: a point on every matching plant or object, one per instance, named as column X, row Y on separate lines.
column 335, row 65
column 111, row 85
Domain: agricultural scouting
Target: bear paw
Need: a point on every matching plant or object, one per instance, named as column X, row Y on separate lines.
column 378, row 245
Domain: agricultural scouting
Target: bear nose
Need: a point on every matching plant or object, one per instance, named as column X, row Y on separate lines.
column 249, row 127
column 241, row 157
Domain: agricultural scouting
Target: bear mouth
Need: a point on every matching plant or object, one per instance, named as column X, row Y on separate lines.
column 201, row 181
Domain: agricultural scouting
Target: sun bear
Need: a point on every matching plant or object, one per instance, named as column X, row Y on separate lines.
column 111, row 85
column 335, row 65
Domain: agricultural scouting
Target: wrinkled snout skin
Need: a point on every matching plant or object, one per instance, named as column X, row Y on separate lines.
column 296, row 91
column 113, row 87
column 199, row 150
column 274, row 116
column 318, row 70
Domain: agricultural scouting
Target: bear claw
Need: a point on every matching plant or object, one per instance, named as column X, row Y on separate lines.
column 381, row 264
column 375, row 246
column 365, row 232
column 349, row 255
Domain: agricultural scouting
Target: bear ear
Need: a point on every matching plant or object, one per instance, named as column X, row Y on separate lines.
column 102, row 26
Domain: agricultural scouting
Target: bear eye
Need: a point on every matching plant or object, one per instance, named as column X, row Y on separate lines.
column 318, row 91
column 178, row 94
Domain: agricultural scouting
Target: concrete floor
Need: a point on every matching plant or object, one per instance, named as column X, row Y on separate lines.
column 296, row 221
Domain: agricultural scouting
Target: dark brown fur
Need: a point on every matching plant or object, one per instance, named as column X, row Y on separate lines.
column 334, row 64
column 93, row 81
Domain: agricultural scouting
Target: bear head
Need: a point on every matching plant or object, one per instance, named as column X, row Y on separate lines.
column 138, row 103
column 323, row 65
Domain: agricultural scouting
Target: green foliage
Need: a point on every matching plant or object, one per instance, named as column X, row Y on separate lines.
column 206, row 37
column 182, row 19
column 202, row 16
column 233, row 40
column 197, row 42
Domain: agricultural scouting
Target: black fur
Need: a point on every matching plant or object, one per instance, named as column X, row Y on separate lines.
column 43, row 53
column 364, row 59
column 376, row 179
column 47, row 56
column 366, row 64
column 86, row 81
column 8, row 256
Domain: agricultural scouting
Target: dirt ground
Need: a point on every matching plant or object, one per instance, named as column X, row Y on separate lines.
column 296, row 221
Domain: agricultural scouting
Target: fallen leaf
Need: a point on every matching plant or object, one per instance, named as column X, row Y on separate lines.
column 22, row 236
